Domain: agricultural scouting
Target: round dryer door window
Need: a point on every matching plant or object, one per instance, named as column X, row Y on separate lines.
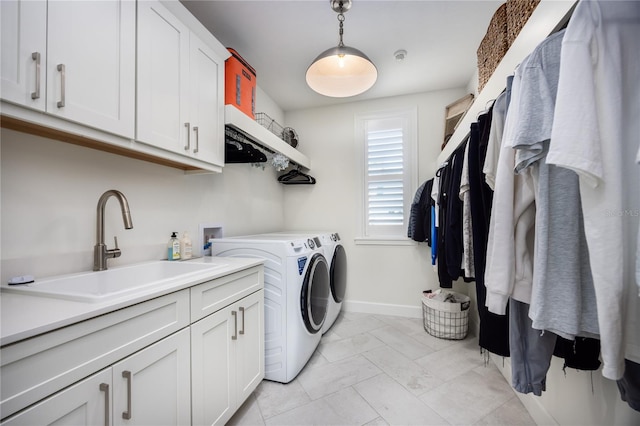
column 314, row 297
column 338, row 274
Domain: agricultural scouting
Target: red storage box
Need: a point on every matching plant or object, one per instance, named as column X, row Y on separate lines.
column 240, row 84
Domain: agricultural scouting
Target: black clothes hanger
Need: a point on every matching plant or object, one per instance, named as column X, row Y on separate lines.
column 241, row 152
column 296, row 177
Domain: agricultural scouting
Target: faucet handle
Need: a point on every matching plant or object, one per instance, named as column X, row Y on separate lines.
column 114, row 252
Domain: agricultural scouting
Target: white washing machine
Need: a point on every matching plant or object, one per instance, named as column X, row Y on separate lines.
column 336, row 256
column 296, row 289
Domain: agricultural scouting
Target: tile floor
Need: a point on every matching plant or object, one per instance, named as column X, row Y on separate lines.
column 385, row 370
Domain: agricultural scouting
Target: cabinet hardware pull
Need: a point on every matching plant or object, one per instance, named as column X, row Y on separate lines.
column 235, row 320
column 195, row 129
column 36, row 57
column 127, row 414
column 188, row 145
column 61, row 68
column 104, row 387
column 241, row 309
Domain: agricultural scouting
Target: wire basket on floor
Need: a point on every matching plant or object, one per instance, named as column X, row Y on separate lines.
column 446, row 315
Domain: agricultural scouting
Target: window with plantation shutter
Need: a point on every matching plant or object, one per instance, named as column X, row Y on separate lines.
column 389, row 169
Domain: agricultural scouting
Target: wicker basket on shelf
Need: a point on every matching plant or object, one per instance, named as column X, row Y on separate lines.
column 518, row 13
column 493, row 46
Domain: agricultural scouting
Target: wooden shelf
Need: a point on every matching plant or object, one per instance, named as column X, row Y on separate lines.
column 253, row 130
column 548, row 16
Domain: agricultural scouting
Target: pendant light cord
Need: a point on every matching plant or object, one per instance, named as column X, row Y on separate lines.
column 341, row 20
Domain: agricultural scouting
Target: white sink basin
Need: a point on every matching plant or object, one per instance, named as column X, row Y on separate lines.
column 116, row 282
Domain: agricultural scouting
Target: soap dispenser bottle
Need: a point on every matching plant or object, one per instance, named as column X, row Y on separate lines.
column 186, row 247
column 173, row 248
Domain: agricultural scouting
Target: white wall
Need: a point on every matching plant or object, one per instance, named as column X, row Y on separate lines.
column 386, row 279
column 50, row 191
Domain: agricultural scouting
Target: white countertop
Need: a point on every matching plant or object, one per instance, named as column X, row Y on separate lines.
column 23, row 316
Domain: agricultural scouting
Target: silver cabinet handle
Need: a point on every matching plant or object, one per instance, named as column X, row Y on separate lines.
column 127, row 414
column 241, row 309
column 235, row 320
column 188, row 145
column 104, row 387
column 195, row 129
column 61, row 68
column 36, row 57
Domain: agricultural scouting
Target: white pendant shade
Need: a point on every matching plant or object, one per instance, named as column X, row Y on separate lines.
column 341, row 72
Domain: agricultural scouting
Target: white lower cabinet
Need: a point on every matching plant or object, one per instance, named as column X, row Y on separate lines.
column 227, row 359
column 153, row 386
column 85, row 403
column 150, row 387
column 188, row 357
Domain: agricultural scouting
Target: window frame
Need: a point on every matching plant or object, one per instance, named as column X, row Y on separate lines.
column 392, row 234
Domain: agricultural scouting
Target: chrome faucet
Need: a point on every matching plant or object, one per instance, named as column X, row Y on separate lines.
column 100, row 251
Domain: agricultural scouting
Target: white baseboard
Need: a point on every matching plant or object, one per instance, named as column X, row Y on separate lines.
column 383, row 309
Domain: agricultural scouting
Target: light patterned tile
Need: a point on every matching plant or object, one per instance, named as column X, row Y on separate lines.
column 395, row 404
column 511, row 413
column 316, row 359
column 314, row 413
column 453, row 360
column 330, row 378
column 248, row 414
column 379, row 421
column 345, row 407
column 406, row 372
column 469, row 397
column 359, row 325
column 403, row 324
column 383, row 370
column 406, row 345
column 351, row 407
column 345, row 348
column 275, row 398
column 434, row 342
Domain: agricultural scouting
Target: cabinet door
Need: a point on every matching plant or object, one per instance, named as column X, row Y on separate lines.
column 85, row 403
column 23, row 37
column 152, row 387
column 91, row 63
column 213, row 367
column 250, row 344
column 163, row 82
column 206, row 109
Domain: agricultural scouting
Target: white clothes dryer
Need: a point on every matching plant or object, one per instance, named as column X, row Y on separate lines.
column 337, row 258
column 296, row 289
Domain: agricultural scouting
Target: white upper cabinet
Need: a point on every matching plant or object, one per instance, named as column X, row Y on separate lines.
column 207, row 103
column 74, row 60
column 91, row 63
column 163, row 83
column 23, row 34
column 180, row 87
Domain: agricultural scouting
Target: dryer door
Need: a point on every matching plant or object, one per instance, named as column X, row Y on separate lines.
column 314, row 296
column 338, row 273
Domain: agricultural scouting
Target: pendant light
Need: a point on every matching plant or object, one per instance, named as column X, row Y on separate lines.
column 341, row 71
